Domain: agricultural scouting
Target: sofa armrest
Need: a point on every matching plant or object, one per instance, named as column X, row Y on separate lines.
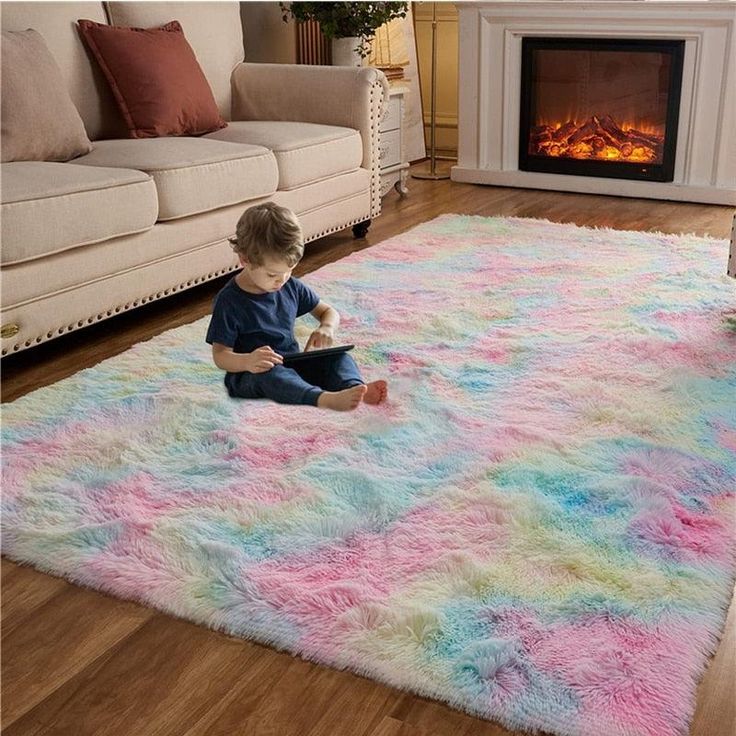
column 351, row 97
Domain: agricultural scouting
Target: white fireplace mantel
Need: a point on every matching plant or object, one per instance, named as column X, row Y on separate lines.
column 490, row 90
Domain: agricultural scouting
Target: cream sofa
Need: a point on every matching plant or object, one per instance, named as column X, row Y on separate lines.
column 136, row 220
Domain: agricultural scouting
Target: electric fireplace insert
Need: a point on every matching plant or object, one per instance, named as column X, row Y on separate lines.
column 600, row 107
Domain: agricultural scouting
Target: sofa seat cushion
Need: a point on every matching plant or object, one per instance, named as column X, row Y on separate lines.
column 305, row 152
column 192, row 175
column 49, row 207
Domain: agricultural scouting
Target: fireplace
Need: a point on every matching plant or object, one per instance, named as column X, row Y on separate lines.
column 600, row 107
column 491, row 38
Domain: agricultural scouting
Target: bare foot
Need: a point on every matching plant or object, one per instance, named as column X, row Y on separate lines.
column 376, row 393
column 345, row 400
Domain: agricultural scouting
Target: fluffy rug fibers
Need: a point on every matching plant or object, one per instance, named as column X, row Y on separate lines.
column 536, row 528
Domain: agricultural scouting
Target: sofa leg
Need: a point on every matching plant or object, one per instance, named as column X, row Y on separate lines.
column 361, row 229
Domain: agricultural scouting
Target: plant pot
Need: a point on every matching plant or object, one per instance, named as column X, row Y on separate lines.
column 344, row 53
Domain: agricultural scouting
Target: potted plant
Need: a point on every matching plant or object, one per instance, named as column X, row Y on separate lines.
column 349, row 26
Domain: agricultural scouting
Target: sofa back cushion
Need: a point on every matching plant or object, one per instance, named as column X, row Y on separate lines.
column 213, row 30
column 154, row 75
column 57, row 23
column 38, row 120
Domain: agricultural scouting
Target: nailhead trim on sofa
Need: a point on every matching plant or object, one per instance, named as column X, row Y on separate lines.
column 377, row 104
column 119, row 308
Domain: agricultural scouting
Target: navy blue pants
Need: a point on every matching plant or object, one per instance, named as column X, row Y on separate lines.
column 301, row 384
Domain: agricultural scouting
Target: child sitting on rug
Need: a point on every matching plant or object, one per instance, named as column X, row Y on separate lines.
column 253, row 317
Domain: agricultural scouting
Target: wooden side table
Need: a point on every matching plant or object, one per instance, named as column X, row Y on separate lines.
column 394, row 166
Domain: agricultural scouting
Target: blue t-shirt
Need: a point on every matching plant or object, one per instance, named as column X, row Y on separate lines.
column 244, row 321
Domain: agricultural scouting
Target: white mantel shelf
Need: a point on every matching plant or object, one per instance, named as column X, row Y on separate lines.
column 490, row 90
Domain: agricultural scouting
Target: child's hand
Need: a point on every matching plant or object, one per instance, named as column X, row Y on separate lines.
column 262, row 360
column 322, row 337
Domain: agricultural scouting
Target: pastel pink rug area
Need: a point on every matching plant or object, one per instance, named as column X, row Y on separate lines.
column 537, row 528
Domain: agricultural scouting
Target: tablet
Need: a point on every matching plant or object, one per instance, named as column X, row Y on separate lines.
column 335, row 350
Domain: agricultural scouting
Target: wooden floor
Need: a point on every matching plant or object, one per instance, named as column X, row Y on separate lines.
column 78, row 662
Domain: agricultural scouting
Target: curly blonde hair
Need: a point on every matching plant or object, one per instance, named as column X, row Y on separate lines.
column 268, row 231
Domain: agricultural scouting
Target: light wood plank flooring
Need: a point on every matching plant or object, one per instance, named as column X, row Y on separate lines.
column 78, row 662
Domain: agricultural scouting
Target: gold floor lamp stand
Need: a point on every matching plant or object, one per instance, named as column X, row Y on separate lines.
column 432, row 173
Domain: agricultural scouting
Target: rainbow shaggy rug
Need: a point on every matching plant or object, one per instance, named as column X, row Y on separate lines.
column 537, row 528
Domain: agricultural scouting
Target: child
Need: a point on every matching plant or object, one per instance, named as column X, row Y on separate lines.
column 253, row 323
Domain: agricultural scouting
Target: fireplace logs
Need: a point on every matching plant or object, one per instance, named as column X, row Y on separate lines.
column 597, row 138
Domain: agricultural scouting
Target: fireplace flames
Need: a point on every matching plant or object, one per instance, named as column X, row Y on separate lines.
column 599, row 138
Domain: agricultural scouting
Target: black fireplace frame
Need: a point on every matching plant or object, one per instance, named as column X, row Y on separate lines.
column 608, row 169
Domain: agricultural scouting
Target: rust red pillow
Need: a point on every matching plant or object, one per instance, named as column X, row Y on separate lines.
column 155, row 77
